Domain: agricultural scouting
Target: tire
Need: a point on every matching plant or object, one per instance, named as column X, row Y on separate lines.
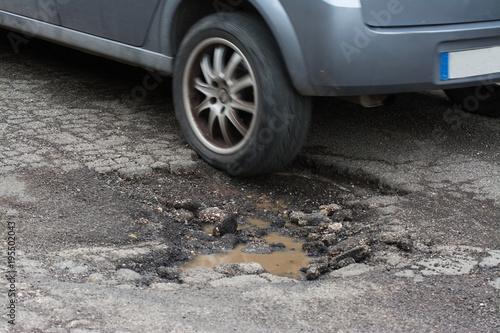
column 483, row 100
column 233, row 99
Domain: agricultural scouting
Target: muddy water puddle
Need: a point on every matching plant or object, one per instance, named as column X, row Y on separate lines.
column 286, row 262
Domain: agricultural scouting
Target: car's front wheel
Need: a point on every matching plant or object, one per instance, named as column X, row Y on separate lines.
column 483, row 100
column 233, row 98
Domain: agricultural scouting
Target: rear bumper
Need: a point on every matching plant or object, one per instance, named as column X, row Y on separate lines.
column 345, row 57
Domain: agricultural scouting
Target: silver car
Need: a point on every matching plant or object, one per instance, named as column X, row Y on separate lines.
column 244, row 70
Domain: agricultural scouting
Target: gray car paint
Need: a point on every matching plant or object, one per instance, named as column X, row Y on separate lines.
column 101, row 18
column 346, row 57
column 376, row 13
column 326, row 45
column 41, row 10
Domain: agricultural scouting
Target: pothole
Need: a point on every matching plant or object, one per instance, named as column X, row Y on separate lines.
column 282, row 254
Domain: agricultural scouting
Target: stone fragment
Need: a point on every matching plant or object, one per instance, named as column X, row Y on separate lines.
column 329, row 239
column 227, row 242
column 314, row 247
column 305, row 231
column 199, row 275
column 312, row 237
column 391, row 238
column 330, row 209
column 314, row 219
column 343, row 215
column 229, row 225
column 318, row 260
column 126, row 274
column 277, row 279
column 279, row 223
column 346, row 245
column 399, row 238
column 257, row 248
column 405, row 244
column 182, row 216
column 251, row 268
column 169, row 273
column 212, row 215
column 187, row 204
column 277, row 246
column 296, row 216
column 357, row 254
column 314, row 271
column 343, row 263
column 337, row 226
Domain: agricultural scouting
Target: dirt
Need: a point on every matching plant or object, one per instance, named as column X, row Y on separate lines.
column 88, row 210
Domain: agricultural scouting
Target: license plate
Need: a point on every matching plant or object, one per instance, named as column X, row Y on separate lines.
column 461, row 64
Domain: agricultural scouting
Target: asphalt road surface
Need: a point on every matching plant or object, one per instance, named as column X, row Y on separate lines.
column 93, row 168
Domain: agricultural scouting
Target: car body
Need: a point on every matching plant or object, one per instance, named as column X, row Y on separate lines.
column 323, row 47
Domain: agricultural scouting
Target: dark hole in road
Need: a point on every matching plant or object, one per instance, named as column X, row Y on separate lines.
column 284, row 260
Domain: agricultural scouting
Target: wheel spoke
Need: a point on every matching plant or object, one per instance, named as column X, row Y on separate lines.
column 224, row 126
column 206, row 69
column 211, row 122
column 231, row 65
column 204, row 88
column 238, row 104
column 222, row 95
column 236, row 121
column 244, row 82
column 219, row 60
column 206, row 104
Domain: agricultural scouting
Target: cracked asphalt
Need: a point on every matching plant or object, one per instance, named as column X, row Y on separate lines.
column 88, row 148
column 82, row 133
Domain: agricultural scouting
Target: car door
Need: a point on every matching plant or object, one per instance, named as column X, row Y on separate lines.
column 126, row 21
column 45, row 10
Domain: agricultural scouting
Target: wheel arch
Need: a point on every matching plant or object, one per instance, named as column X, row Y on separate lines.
column 178, row 16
